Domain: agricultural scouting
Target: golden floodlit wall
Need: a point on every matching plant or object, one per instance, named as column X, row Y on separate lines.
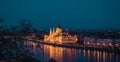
column 57, row 36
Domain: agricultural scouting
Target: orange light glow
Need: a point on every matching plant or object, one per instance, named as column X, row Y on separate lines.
column 56, row 52
column 57, row 36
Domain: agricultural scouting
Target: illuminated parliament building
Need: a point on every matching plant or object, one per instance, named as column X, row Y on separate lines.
column 57, row 36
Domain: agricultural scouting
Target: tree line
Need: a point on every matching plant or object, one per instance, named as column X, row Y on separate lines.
column 10, row 49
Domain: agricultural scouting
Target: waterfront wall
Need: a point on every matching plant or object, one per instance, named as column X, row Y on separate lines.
column 103, row 42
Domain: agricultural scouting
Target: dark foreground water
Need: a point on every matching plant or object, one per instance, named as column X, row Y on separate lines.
column 60, row 54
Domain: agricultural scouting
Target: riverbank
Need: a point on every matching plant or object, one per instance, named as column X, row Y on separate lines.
column 83, row 47
column 44, row 52
column 76, row 46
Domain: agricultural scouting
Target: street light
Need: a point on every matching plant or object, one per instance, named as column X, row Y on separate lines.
column 104, row 44
column 88, row 43
column 98, row 43
column 110, row 44
column 116, row 44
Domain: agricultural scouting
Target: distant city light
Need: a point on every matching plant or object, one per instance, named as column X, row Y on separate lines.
column 98, row 43
column 110, row 44
column 88, row 43
column 103, row 43
column 116, row 44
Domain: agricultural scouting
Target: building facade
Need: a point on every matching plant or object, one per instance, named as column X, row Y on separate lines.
column 101, row 42
column 58, row 36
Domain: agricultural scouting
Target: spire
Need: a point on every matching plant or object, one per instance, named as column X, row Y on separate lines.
column 50, row 31
column 53, row 30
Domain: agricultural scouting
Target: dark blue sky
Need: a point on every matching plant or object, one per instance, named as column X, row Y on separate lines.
column 72, row 14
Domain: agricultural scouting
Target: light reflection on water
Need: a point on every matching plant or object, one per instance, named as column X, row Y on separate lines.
column 60, row 54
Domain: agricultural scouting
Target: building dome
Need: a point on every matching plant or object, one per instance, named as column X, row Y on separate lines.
column 58, row 27
column 58, row 30
column 57, row 36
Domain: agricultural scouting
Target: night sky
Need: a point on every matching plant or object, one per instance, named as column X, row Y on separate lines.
column 70, row 14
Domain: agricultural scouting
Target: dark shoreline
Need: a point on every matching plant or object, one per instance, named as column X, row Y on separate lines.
column 107, row 49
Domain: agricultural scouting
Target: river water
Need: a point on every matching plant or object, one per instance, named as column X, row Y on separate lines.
column 44, row 52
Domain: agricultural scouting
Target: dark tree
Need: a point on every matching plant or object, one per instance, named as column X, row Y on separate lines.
column 1, row 20
column 25, row 26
